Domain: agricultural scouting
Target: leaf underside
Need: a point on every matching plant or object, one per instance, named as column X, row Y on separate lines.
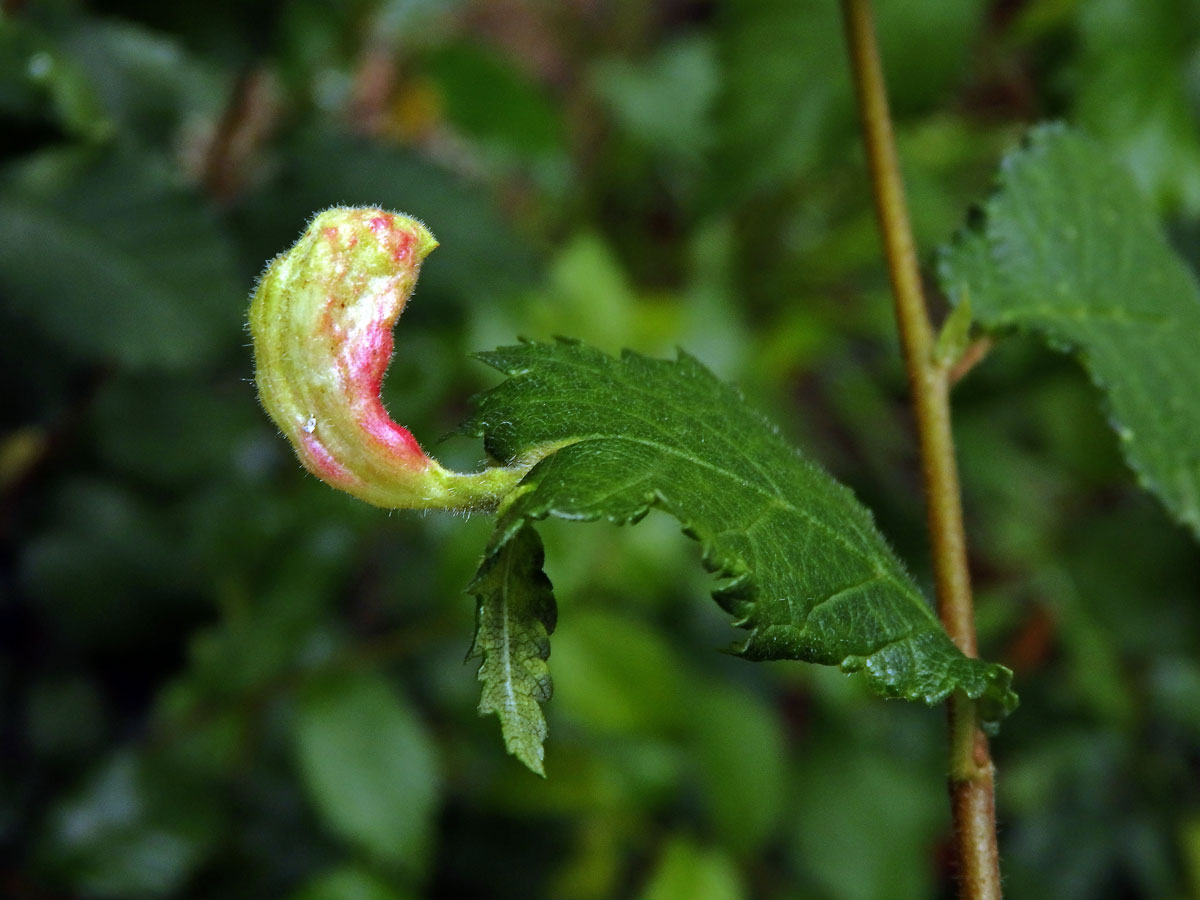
column 802, row 567
column 1068, row 249
column 514, row 621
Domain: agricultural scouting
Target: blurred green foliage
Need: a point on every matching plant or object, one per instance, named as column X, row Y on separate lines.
column 221, row 679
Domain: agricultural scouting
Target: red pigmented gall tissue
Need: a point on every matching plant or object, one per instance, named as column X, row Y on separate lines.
column 322, row 319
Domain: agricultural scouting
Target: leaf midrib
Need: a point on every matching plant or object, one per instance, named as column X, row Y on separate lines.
column 606, row 368
column 510, row 702
column 778, row 500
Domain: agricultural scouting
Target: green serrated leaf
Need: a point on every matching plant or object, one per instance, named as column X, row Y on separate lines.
column 515, row 619
column 804, row 569
column 1070, row 250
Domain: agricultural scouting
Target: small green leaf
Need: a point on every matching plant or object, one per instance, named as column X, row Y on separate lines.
column 804, row 569
column 515, row 619
column 1070, row 250
column 687, row 871
column 954, row 335
column 369, row 766
column 350, row 883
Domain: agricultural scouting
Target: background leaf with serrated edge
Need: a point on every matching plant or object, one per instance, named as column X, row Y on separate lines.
column 806, row 572
column 1070, row 250
column 512, row 633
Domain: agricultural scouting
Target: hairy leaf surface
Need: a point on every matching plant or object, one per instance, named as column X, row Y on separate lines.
column 803, row 568
column 1070, row 250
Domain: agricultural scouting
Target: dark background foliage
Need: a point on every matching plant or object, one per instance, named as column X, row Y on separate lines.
column 220, row 679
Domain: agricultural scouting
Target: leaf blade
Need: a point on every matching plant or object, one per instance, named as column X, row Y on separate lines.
column 368, row 765
column 515, row 618
column 1068, row 249
column 622, row 436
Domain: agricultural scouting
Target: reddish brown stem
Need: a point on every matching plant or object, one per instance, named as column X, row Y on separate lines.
column 973, row 355
column 971, row 781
